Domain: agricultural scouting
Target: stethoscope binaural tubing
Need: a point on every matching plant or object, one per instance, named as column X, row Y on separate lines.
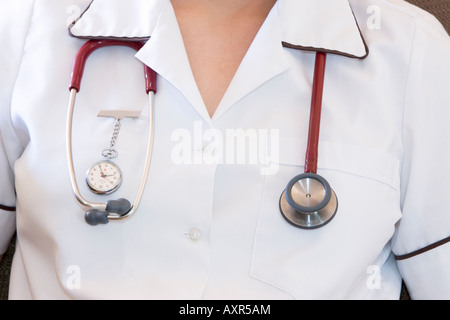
column 305, row 216
column 102, row 213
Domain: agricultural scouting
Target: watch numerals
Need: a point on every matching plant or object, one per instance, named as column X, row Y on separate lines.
column 104, row 177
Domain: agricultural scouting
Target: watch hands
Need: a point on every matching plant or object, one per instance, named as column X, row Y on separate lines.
column 101, row 171
column 104, row 176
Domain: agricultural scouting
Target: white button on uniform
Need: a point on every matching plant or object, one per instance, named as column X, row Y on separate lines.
column 194, row 234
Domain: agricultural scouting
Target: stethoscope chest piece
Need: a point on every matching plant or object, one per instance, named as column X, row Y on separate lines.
column 308, row 202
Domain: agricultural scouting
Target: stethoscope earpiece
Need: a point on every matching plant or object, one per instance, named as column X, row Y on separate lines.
column 95, row 217
column 118, row 207
column 308, row 202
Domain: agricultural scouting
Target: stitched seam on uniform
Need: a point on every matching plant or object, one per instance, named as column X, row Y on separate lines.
column 9, row 112
column 20, row 64
column 423, row 250
column 7, row 208
column 405, row 92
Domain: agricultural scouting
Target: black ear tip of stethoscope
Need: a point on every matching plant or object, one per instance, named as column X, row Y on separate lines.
column 120, row 206
column 95, row 217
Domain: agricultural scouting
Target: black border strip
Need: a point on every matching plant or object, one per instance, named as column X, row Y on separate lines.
column 6, row 208
column 423, row 250
column 316, row 49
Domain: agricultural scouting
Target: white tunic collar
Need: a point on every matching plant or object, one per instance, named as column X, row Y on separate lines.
column 319, row 25
column 155, row 22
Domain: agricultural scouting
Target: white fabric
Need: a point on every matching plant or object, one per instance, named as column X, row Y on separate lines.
column 383, row 149
column 10, row 146
column 130, row 19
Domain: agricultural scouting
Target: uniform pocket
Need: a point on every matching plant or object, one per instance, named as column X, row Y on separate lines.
column 326, row 262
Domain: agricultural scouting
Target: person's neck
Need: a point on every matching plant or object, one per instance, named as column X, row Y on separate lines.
column 216, row 36
column 227, row 8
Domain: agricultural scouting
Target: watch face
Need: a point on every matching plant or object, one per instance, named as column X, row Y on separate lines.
column 104, row 177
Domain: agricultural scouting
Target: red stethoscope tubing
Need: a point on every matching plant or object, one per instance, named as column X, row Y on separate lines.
column 91, row 46
column 312, row 150
column 101, row 213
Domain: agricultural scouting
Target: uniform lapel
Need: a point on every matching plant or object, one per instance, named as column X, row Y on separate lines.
column 165, row 53
column 321, row 25
column 264, row 60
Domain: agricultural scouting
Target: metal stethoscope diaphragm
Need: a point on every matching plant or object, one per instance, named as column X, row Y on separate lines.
column 308, row 202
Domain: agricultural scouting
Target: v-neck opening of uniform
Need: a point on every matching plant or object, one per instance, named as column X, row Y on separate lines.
column 263, row 60
column 166, row 53
column 212, row 108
